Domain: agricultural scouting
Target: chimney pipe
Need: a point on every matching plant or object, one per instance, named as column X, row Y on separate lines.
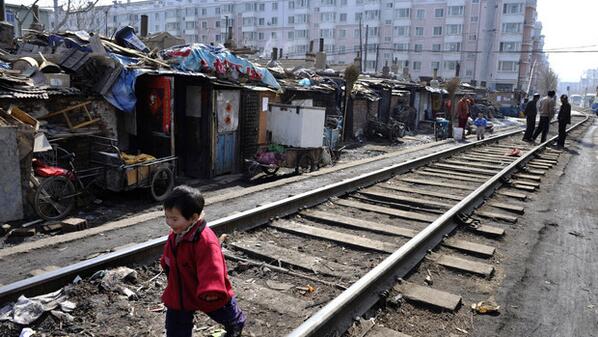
column 280, row 53
column 321, row 45
column 35, row 24
column 144, row 24
column 274, row 54
column 311, row 46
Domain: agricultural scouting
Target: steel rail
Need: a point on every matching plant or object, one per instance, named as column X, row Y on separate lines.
column 338, row 315
column 245, row 220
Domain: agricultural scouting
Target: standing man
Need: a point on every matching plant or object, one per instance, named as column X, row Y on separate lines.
column 564, row 118
column 546, row 109
column 463, row 112
column 531, row 110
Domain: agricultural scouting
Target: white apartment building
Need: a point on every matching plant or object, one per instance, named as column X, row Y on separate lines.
column 489, row 41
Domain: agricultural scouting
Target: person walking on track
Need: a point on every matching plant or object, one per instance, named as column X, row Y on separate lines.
column 531, row 110
column 546, row 109
column 564, row 118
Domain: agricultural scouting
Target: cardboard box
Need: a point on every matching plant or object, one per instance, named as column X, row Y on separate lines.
column 58, row 80
column 138, row 175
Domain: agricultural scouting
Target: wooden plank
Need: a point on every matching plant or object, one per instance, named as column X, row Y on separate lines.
column 410, row 200
column 485, row 160
column 497, row 216
column 545, row 162
column 465, row 169
column 406, row 189
column 433, row 297
column 478, row 165
column 548, row 157
column 514, row 146
column 524, row 187
column 461, row 264
column 451, row 172
column 512, row 208
column 338, row 237
column 512, row 194
column 489, row 230
column 396, row 205
column 489, row 156
column 469, row 247
column 380, row 331
column 271, row 299
column 269, row 252
column 523, row 182
column 436, row 183
column 386, row 210
column 371, row 226
column 527, row 176
column 536, row 166
column 536, row 172
column 450, row 176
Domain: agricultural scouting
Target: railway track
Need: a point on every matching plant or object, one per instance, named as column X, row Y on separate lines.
column 309, row 264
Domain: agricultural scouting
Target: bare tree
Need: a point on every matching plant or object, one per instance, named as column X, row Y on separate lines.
column 547, row 80
column 72, row 7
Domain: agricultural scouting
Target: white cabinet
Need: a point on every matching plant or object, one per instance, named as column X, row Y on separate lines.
column 296, row 126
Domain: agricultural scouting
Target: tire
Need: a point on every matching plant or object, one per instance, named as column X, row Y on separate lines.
column 270, row 170
column 162, row 183
column 55, row 198
column 304, row 163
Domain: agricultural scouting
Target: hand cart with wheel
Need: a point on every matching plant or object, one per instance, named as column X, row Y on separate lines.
column 303, row 160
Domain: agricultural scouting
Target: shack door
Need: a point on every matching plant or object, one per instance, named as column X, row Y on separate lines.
column 227, row 120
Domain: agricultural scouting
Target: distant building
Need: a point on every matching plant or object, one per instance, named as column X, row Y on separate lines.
column 491, row 42
column 16, row 13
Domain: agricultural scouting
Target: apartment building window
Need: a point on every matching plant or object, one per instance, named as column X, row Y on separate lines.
column 341, row 49
column 189, row 11
column 436, row 47
column 372, row 15
column 291, row 19
column 356, row 48
column 473, row 37
column 417, row 65
column 217, row 24
column 291, row 35
column 474, row 19
column 418, row 48
column 419, row 31
column 261, row 7
column 343, row 17
column 274, row 21
column 404, row 12
column 291, row 4
column 435, row 65
column 508, row 66
column 247, row 22
column 358, row 17
column 189, row 25
column 328, row 17
column 274, row 5
column 401, row 46
column 217, row 10
column 511, row 27
column 438, row 31
column 509, row 46
column 516, row 8
column 204, row 25
column 342, row 33
column 370, row 64
column 387, row 39
column 273, row 35
column 439, row 12
column 260, row 36
column 343, row 2
column 453, row 46
column 302, row 34
column 172, row 26
column 302, row 3
column 455, row 29
column 455, row 10
column 373, row 31
column 469, row 73
column 303, row 18
column 450, row 65
column 328, row 2
column 261, row 21
column 204, row 12
column 402, row 30
column 420, row 14
column 356, row 33
column 301, row 49
column 475, row 1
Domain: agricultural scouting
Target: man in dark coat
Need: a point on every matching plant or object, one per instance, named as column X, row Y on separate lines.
column 531, row 110
column 564, row 118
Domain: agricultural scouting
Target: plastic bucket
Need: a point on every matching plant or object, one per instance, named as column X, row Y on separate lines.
column 458, row 134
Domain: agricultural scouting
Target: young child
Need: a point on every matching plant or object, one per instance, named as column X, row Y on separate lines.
column 480, row 124
column 196, row 270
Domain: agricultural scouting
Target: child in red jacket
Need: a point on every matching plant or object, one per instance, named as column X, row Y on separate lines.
column 196, row 270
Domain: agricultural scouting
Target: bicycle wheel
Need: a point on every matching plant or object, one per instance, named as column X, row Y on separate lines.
column 162, row 184
column 55, row 198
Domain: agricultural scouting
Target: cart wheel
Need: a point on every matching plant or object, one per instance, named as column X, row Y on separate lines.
column 162, row 183
column 55, row 198
column 304, row 164
column 270, row 170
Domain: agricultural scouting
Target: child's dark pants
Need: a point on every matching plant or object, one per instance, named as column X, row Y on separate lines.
column 180, row 323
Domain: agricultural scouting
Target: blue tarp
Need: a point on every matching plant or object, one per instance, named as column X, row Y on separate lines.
column 122, row 93
column 204, row 58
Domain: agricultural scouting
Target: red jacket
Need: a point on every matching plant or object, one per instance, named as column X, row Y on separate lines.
column 195, row 269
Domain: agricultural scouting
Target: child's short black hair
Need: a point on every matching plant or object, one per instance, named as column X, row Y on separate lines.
column 186, row 199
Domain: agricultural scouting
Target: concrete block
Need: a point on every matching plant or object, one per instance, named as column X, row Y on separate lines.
column 52, row 227
column 73, row 225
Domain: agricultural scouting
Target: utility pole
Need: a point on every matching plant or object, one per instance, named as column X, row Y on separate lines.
column 377, row 57
column 365, row 57
column 360, row 47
